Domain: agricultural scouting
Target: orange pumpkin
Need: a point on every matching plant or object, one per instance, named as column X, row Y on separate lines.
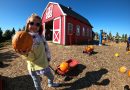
column 88, row 49
column 103, row 42
column 22, row 41
column 64, row 66
column 92, row 47
column 129, row 73
column 122, row 69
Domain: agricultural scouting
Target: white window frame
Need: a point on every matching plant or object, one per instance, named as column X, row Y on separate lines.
column 49, row 12
column 87, row 32
column 83, row 31
column 70, row 28
column 78, row 30
column 90, row 33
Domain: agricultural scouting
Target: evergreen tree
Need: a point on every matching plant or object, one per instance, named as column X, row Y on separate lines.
column 117, row 35
column 23, row 28
column 19, row 29
column 96, row 36
column 7, row 35
column 1, row 32
column 13, row 31
column 110, row 36
column 123, row 37
column 126, row 37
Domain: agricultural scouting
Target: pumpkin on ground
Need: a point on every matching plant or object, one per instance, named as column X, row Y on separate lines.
column 89, row 48
column 116, row 55
column 22, row 41
column 128, row 52
column 64, row 66
column 103, row 42
column 92, row 47
column 129, row 73
column 122, row 69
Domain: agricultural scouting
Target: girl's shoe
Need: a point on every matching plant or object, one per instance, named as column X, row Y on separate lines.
column 53, row 85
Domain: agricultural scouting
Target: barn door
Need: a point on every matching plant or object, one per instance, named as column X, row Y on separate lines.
column 57, row 30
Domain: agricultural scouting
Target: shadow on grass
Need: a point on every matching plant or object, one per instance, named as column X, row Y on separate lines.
column 74, row 72
column 2, row 65
column 94, row 52
column 105, row 45
column 91, row 78
column 90, row 53
column 18, row 83
column 7, row 56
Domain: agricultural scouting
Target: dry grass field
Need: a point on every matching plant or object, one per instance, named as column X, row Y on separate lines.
column 99, row 71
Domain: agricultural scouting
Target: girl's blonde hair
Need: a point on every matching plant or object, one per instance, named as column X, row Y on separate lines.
column 28, row 21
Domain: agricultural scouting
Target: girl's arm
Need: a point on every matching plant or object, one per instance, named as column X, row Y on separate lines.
column 30, row 56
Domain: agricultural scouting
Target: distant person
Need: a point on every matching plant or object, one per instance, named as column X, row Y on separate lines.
column 128, row 44
column 129, row 39
column 38, row 58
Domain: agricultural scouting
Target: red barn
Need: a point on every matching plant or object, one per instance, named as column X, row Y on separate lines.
column 64, row 26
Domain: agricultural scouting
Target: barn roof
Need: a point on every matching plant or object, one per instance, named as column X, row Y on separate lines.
column 72, row 13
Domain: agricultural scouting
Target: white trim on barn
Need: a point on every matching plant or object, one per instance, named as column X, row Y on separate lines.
column 64, row 29
column 53, row 4
column 44, row 29
column 59, row 30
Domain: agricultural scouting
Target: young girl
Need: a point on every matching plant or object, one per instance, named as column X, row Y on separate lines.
column 38, row 58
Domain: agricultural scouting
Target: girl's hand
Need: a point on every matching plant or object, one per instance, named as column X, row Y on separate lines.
column 22, row 52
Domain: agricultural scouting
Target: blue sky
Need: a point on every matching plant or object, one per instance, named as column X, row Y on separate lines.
column 109, row 15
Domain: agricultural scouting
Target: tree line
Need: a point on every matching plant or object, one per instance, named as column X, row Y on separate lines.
column 7, row 35
column 109, row 36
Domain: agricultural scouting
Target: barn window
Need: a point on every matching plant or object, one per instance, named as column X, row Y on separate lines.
column 70, row 28
column 90, row 33
column 49, row 12
column 83, row 32
column 77, row 30
column 87, row 32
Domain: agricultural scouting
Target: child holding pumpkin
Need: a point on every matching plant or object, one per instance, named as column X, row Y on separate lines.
column 38, row 58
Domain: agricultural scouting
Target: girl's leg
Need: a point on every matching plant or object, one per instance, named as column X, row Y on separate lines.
column 36, row 81
column 50, row 77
